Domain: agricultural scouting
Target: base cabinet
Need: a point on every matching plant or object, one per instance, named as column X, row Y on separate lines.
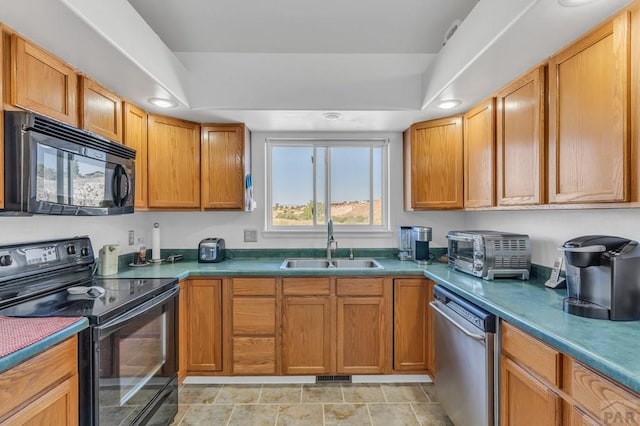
column 410, row 325
column 204, row 331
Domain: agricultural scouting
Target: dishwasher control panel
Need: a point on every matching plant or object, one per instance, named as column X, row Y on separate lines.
column 475, row 315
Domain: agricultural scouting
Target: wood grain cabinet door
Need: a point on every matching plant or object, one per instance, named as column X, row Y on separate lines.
column 223, row 148
column 479, row 155
column 307, row 335
column 361, row 335
column 433, row 165
column 520, row 138
column 524, row 400
column 42, row 83
column 135, row 136
column 173, row 163
column 101, row 110
column 589, row 117
column 204, row 317
column 410, row 351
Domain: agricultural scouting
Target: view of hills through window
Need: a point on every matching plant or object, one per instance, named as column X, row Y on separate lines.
column 308, row 179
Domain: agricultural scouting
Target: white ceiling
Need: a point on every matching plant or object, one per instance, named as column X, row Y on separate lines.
column 279, row 65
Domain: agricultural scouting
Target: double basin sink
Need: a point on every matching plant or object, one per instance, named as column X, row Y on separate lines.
column 315, row 263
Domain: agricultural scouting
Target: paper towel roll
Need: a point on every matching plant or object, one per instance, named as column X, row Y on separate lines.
column 155, row 243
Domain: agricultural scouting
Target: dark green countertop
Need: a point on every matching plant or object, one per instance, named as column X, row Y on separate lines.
column 610, row 347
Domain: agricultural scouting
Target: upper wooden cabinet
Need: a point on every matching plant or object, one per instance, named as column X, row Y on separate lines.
column 135, row 136
column 479, row 155
column 520, row 133
column 223, row 166
column 433, row 176
column 589, row 117
column 101, row 110
column 3, row 77
column 173, row 163
column 42, row 83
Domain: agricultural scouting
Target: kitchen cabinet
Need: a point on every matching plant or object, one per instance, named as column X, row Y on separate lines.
column 308, row 324
column 431, row 332
column 173, row 160
column 410, row 325
column 254, row 325
column 42, row 389
column 589, row 153
column 183, row 330
column 135, row 136
column 204, row 318
column 479, row 155
column 42, row 83
column 520, row 134
column 361, row 325
column 433, row 165
column 100, row 110
column 223, row 148
column 3, row 77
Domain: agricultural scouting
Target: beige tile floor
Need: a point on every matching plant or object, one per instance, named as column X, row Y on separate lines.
column 310, row 404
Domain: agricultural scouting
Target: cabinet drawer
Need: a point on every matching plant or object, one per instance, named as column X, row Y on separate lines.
column 254, row 355
column 306, row 286
column 254, row 286
column 37, row 375
column 359, row 286
column 601, row 397
column 538, row 357
column 254, row 315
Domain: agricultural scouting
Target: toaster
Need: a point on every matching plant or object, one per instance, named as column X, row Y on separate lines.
column 211, row 250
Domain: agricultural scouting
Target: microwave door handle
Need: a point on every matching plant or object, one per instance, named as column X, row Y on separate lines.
column 115, row 186
column 587, row 249
column 123, row 184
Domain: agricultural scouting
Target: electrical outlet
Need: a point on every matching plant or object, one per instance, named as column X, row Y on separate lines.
column 250, row 235
column 132, row 237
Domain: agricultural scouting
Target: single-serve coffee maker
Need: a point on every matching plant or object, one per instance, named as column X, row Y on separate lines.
column 404, row 243
column 603, row 277
column 420, row 237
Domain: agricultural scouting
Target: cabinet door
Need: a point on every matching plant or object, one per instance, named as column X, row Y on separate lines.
column 3, row 78
column 223, row 167
column 520, row 140
column 173, row 163
column 431, row 332
column 204, row 343
column 479, row 155
column 135, row 136
column 410, row 352
column 101, row 110
column 183, row 330
column 578, row 418
column 524, row 400
column 433, row 165
column 43, row 83
column 589, row 116
column 307, row 335
column 361, row 335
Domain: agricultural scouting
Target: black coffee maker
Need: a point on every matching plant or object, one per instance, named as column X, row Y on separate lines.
column 603, row 277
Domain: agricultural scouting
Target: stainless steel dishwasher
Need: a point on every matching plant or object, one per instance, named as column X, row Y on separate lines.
column 464, row 359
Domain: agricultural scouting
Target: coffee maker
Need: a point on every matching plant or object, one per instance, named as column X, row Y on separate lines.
column 404, row 243
column 603, row 277
column 420, row 237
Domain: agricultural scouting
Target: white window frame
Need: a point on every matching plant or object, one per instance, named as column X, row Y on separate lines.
column 327, row 142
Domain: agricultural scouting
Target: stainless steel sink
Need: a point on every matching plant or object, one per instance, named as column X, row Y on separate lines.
column 313, row 263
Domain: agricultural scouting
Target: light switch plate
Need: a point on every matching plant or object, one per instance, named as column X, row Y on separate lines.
column 132, row 238
column 250, row 235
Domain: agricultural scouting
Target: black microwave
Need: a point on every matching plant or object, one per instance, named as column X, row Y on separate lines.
column 54, row 168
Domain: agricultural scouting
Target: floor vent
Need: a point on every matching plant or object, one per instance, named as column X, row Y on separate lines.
column 333, row 379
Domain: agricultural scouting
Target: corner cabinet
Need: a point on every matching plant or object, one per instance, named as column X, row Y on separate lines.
column 100, row 110
column 173, row 163
column 589, row 158
column 479, row 155
column 135, row 136
column 433, row 165
column 223, row 148
column 204, row 331
column 520, row 134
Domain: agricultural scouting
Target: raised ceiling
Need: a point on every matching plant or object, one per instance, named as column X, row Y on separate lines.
column 282, row 64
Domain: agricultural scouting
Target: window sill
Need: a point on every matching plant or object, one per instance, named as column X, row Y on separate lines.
column 382, row 233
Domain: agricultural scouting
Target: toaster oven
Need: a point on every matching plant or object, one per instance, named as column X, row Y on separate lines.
column 490, row 254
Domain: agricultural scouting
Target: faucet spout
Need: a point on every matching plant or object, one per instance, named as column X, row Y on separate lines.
column 332, row 244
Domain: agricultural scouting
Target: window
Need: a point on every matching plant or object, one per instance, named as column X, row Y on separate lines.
column 312, row 180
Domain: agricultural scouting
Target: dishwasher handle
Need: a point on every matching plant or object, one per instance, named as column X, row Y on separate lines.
column 474, row 336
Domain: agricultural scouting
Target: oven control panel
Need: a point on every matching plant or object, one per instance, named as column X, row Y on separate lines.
column 19, row 260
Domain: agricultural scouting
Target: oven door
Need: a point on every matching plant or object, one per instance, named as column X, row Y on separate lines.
column 136, row 364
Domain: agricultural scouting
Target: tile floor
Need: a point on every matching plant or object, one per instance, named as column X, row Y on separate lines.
column 310, row 404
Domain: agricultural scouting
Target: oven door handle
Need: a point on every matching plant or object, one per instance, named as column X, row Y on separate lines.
column 156, row 301
column 474, row 336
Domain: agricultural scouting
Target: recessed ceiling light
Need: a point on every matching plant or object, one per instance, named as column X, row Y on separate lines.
column 163, row 102
column 332, row 116
column 573, row 3
column 448, row 103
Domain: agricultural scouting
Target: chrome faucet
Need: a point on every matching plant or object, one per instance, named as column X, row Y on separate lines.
column 332, row 244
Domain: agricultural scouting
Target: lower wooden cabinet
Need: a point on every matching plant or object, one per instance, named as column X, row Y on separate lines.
column 183, row 327
column 42, row 390
column 204, row 331
column 410, row 324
